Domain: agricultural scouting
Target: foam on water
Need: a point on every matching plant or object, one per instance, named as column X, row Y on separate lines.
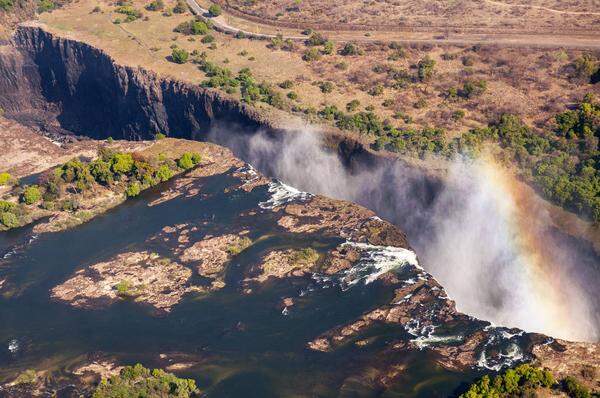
column 376, row 261
column 281, row 194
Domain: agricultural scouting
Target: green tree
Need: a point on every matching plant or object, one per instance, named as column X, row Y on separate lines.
column 122, row 163
column 215, row 10
column 9, row 220
column 31, row 194
column 185, row 161
column 133, row 189
column 163, row 173
column 137, row 381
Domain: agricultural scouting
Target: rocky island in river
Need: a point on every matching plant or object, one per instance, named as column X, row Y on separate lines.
column 235, row 280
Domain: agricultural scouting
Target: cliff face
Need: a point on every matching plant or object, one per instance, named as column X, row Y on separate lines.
column 91, row 95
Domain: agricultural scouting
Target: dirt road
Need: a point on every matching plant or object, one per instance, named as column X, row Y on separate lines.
column 233, row 24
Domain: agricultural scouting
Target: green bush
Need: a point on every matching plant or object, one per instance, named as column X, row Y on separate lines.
column 9, row 220
column 193, row 27
column 426, row 69
column 137, row 381
column 6, row 5
column 7, row 206
column 311, row 54
column 122, row 163
column 513, row 382
column 163, row 173
column 31, row 194
column 5, row 178
column 188, row 160
column 574, row 388
column 133, row 189
column 131, row 12
column 316, row 39
column 584, row 68
column 352, row 105
column 350, row 49
column 215, row 10
column 185, row 162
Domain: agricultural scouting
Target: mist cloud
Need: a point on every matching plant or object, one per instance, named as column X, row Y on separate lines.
column 498, row 261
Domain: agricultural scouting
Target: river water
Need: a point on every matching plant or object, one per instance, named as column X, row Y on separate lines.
column 242, row 344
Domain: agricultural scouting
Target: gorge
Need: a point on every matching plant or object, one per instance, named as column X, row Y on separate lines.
column 492, row 246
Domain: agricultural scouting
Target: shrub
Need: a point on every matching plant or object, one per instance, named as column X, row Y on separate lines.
column 473, row 89
column 123, row 288
column 376, row 90
column 350, row 49
column 179, row 55
column 326, row 87
column 9, row 220
column 574, row 388
column 328, row 47
column 208, row 39
column 513, row 382
column 137, row 381
column 196, row 158
column 352, row 105
column 132, row 13
column 240, row 246
column 584, row 68
column 5, row 178
column 7, row 206
column 425, row 69
column 159, row 136
column 311, row 54
column 185, row 161
column 341, row 65
column 316, row 39
column 45, row 6
column 458, row 115
column 133, row 189
column 27, row 377
column 286, row 84
column 163, row 173
column 70, row 204
column 122, row 163
column 156, row 5
column 292, row 95
column 31, row 194
column 192, row 28
column 215, row 10
column 240, row 35
column 101, row 171
column 180, row 7
column 6, row 5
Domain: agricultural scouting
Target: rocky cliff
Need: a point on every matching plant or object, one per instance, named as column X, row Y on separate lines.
column 91, row 95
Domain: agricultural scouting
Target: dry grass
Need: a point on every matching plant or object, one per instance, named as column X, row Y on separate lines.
column 522, row 14
column 528, row 82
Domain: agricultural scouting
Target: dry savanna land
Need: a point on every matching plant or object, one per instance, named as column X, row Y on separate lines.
column 536, row 108
column 555, row 15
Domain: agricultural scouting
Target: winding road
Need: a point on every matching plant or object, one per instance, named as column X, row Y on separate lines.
column 232, row 24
